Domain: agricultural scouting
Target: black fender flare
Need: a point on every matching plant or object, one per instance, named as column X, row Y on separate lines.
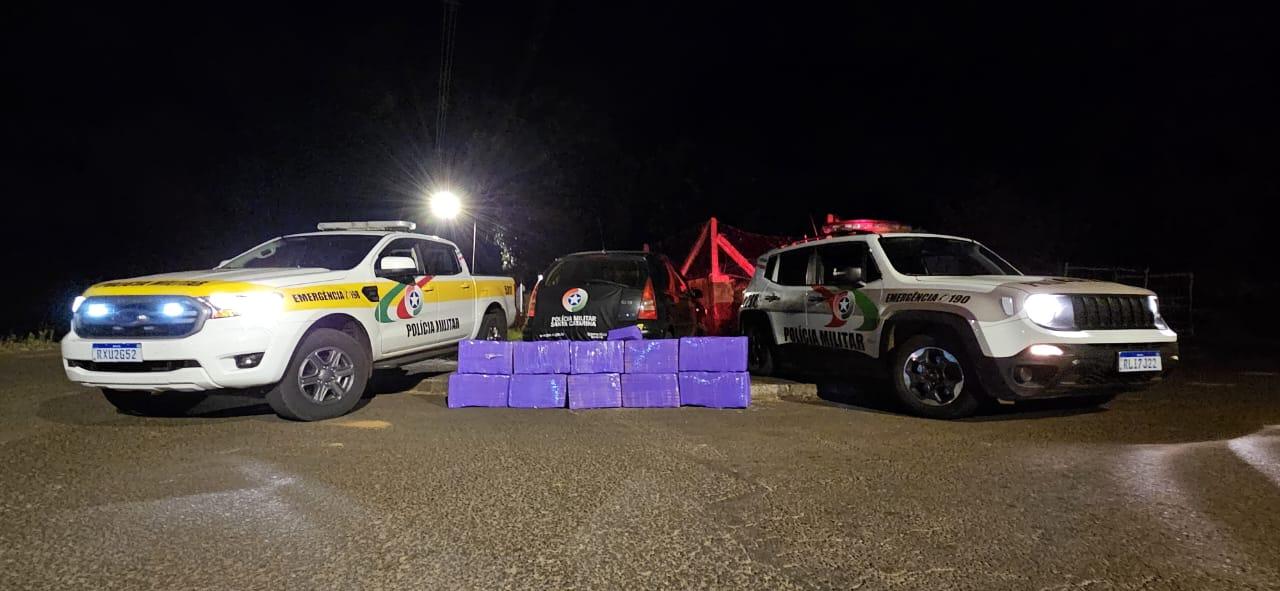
column 912, row 322
column 751, row 317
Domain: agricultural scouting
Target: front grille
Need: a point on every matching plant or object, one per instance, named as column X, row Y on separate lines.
column 138, row 367
column 1112, row 312
column 156, row 317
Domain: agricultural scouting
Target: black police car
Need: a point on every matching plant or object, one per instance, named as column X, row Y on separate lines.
column 586, row 294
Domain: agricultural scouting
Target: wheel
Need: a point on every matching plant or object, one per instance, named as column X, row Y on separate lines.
column 325, row 379
column 152, row 404
column 493, row 327
column 932, row 378
column 761, row 351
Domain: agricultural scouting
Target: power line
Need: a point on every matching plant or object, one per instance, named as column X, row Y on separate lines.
column 448, row 36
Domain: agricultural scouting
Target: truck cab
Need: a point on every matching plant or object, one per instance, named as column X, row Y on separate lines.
column 305, row 316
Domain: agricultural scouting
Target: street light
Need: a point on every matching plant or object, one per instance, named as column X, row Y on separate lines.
column 446, row 205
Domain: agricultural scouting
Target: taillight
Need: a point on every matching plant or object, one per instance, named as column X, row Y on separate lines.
column 533, row 299
column 648, row 304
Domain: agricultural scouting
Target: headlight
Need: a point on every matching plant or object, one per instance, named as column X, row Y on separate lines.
column 260, row 304
column 1154, row 304
column 1051, row 311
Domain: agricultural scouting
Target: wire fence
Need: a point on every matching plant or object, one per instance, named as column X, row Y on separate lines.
column 1177, row 303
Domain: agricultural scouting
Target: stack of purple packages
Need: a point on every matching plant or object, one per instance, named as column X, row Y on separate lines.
column 540, row 379
column 713, row 372
column 484, row 374
column 625, row 371
column 650, row 374
column 595, row 381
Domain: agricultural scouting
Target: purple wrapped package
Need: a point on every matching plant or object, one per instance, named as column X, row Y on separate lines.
column 596, row 356
column 541, row 357
column 713, row 354
column 715, row 390
column 485, row 357
column 626, row 333
column 650, row 390
column 661, row 356
column 596, row 390
column 538, row 391
column 473, row 389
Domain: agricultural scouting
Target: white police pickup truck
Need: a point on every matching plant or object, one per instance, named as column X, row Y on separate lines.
column 949, row 322
column 308, row 316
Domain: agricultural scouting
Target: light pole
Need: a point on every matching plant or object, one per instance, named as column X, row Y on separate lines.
column 447, row 206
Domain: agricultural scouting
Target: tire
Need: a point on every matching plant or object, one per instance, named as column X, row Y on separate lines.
column 762, row 353
column 493, row 327
column 326, row 377
column 152, row 404
column 933, row 377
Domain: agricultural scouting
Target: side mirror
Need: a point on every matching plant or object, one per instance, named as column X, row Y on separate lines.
column 850, row 275
column 393, row 266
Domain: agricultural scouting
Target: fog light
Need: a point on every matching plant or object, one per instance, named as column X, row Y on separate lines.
column 1022, row 374
column 248, row 360
column 1045, row 350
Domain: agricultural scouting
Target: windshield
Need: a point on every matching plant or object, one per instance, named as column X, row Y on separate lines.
column 333, row 252
column 624, row 270
column 918, row 255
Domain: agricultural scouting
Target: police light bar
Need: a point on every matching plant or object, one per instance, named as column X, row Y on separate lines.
column 383, row 226
column 836, row 225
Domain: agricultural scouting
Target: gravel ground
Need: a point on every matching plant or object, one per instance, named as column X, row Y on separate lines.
column 1176, row 488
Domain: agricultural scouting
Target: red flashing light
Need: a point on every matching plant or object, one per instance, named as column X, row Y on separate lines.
column 836, row 225
column 648, row 303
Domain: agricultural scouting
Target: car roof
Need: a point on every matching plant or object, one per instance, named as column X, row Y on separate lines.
column 863, row 238
column 379, row 233
column 608, row 252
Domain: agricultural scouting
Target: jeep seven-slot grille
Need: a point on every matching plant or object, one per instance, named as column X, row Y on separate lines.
column 1112, row 312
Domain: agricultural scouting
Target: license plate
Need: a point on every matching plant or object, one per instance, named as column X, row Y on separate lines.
column 117, row 352
column 1131, row 361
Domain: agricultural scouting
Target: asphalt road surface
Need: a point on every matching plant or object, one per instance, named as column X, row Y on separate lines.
column 1175, row 488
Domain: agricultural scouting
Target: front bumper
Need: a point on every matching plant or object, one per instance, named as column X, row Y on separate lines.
column 1082, row 369
column 202, row 361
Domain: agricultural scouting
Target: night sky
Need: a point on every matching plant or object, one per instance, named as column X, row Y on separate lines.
column 151, row 141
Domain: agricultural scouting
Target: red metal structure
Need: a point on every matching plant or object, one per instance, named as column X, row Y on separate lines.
column 727, row 271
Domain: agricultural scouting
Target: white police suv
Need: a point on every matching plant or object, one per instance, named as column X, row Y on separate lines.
column 948, row 321
column 307, row 316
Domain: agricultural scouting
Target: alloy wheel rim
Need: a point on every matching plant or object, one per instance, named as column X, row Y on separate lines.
column 493, row 334
column 933, row 375
column 326, row 375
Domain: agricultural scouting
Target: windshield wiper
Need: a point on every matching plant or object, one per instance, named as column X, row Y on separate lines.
column 607, row 282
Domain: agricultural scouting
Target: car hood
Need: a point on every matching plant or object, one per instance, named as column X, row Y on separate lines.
column 1030, row 284
column 200, row 283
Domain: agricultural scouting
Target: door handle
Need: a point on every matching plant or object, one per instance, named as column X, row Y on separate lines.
column 771, row 298
column 466, row 286
column 816, row 298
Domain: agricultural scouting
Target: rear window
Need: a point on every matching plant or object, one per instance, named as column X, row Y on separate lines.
column 627, row 271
